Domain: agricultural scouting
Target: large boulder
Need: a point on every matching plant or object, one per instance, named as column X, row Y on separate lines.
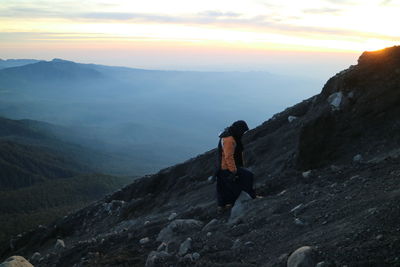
column 302, row 257
column 16, row 261
column 239, row 210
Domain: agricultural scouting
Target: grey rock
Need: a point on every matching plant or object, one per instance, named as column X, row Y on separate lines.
column 59, row 244
column 158, row 259
column 283, row 258
column 299, row 222
column 249, row 244
column 239, row 209
column 16, row 261
column 162, row 247
column 146, row 223
column 35, row 257
column 209, row 234
column 172, row 216
column 185, row 247
column 172, row 247
column 379, row 237
column 144, row 240
column 307, row 174
column 211, row 225
column 321, row 264
column 302, row 257
column 357, row 158
column 335, row 100
column 236, row 244
column 291, row 118
column 335, row 168
column 178, row 228
column 196, row 256
column 113, row 206
column 188, row 258
column 350, row 95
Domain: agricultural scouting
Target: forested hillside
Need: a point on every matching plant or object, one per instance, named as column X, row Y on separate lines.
column 43, row 177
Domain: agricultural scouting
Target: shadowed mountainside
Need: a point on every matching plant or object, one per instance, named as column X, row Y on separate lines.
column 43, row 177
column 328, row 168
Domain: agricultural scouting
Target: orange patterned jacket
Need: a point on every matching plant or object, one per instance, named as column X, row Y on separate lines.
column 228, row 151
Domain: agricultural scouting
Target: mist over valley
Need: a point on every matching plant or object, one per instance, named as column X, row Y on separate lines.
column 145, row 119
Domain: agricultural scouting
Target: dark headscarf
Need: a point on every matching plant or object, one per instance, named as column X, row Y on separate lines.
column 236, row 130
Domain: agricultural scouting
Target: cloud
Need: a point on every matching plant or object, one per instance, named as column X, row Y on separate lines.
column 215, row 18
column 342, row 2
column 323, row 11
column 386, row 2
column 215, row 13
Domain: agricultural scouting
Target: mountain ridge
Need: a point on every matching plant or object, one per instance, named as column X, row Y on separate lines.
column 329, row 176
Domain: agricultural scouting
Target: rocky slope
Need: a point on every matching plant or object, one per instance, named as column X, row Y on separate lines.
column 329, row 170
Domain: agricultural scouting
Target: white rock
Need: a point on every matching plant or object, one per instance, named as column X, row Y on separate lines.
column 211, row 179
column 144, row 240
column 335, row 100
column 302, row 257
column 292, row 118
column 297, row 208
column 59, row 244
column 209, row 234
column 307, row 174
column 282, row 193
column 172, row 216
column 16, row 261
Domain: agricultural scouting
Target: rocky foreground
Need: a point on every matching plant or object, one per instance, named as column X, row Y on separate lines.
column 329, row 168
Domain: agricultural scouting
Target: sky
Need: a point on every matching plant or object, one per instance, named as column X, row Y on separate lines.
column 305, row 38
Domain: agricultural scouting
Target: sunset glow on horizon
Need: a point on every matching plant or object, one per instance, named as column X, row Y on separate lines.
column 45, row 28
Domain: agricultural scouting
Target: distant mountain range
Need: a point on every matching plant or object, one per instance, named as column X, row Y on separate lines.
column 140, row 116
column 9, row 63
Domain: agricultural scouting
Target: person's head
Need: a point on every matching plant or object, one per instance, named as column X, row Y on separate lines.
column 238, row 128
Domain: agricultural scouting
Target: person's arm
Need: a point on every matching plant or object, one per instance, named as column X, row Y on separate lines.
column 229, row 145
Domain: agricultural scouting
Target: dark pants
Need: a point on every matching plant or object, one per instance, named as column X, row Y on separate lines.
column 228, row 190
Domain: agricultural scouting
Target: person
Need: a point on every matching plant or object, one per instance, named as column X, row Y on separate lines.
column 232, row 177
